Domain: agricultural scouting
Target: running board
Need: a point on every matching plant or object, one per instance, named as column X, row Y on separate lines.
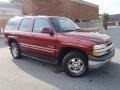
column 41, row 58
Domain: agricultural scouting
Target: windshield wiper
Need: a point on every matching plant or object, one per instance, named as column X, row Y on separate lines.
column 71, row 30
column 77, row 30
column 68, row 30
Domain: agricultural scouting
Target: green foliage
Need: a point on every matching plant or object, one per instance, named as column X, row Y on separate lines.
column 105, row 17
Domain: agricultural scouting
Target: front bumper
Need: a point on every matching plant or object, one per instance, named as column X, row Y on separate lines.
column 97, row 62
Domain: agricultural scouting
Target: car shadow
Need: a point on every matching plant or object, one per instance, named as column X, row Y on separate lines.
column 106, row 76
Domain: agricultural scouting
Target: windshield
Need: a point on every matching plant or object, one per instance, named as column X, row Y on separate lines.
column 63, row 24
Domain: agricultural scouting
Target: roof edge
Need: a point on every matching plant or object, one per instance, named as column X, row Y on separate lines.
column 85, row 2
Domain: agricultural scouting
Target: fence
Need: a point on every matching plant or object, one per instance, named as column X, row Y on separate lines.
column 91, row 24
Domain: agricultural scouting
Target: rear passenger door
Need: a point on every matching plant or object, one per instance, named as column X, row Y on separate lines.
column 24, row 34
column 43, row 43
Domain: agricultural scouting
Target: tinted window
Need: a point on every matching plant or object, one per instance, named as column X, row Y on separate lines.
column 40, row 24
column 63, row 24
column 13, row 24
column 26, row 25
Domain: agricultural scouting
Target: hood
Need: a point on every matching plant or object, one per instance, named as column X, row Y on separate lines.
column 90, row 36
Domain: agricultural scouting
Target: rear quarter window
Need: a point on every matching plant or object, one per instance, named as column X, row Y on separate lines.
column 13, row 24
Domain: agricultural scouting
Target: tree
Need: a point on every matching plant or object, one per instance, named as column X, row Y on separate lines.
column 105, row 18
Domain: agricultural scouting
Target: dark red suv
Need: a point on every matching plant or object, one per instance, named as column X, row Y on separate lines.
column 58, row 40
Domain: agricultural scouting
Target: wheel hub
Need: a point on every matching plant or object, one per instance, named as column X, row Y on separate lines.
column 14, row 51
column 76, row 65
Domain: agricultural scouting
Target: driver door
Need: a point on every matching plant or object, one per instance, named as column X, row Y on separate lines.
column 43, row 43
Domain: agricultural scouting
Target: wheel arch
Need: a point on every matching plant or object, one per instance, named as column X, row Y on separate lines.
column 11, row 41
column 66, row 50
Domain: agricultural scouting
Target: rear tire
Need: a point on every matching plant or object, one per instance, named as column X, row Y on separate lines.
column 75, row 64
column 15, row 50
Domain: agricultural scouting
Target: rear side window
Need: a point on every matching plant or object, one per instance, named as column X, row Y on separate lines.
column 13, row 24
column 26, row 25
column 40, row 24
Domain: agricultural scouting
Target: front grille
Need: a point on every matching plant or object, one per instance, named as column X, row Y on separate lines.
column 109, row 50
column 109, row 43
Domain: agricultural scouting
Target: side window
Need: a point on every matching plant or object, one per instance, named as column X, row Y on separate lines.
column 26, row 25
column 13, row 24
column 40, row 24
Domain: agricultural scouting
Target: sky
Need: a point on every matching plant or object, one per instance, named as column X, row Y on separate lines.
column 105, row 6
column 4, row 0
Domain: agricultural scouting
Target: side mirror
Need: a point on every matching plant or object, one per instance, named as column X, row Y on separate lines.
column 47, row 31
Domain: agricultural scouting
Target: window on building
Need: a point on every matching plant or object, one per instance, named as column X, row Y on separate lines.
column 26, row 25
column 40, row 24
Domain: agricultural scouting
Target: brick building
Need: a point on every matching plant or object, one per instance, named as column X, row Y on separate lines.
column 73, row 9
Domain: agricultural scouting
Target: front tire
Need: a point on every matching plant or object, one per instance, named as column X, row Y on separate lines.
column 15, row 50
column 75, row 64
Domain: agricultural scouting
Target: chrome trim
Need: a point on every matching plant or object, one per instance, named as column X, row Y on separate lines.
column 38, row 48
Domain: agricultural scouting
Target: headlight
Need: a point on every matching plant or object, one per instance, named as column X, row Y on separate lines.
column 101, row 46
column 97, row 50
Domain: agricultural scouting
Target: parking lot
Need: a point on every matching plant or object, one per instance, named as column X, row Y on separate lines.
column 30, row 74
